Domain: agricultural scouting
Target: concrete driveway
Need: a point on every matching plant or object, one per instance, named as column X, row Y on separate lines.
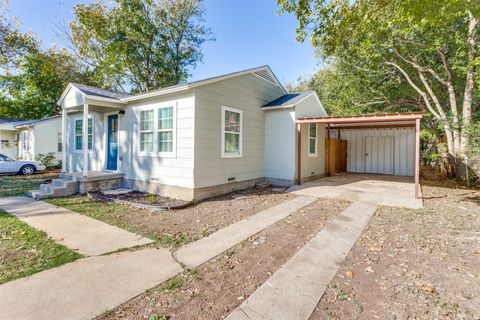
column 368, row 188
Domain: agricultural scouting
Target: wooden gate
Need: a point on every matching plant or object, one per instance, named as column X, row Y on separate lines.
column 336, row 159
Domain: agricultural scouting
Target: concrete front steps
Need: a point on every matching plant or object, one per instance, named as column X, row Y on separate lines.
column 65, row 186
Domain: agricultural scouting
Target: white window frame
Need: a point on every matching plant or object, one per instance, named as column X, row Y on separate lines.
column 315, row 154
column 140, row 131
column 230, row 155
column 75, row 119
column 155, row 108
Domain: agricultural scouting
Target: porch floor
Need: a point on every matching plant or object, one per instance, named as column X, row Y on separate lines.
column 93, row 175
column 375, row 189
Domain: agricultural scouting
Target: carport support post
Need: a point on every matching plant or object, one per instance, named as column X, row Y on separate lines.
column 299, row 154
column 417, row 158
column 85, row 139
column 64, row 140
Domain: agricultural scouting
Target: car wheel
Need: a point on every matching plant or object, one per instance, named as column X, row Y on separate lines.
column 27, row 169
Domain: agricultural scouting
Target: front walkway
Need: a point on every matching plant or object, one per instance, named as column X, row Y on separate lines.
column 88, row 287
column 375, row 189
column 88, row 236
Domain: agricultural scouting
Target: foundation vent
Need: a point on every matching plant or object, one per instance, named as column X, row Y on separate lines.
column 230, row 179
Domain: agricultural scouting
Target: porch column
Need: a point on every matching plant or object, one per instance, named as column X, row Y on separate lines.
column 64, row 140
column 299, row 154
column 417, row 159
column 85, row 139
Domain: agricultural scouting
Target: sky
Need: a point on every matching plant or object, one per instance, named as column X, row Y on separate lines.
column 248, row 33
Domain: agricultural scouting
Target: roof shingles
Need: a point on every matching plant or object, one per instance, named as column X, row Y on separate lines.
column 287, row 99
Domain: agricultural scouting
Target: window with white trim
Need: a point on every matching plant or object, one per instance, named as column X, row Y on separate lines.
column 146, row 131
column 231, row 132
column 157, row 131
column 312, row 139
column 165, row 128
column 79, row 134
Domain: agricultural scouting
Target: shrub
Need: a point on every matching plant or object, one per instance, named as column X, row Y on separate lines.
column 48, row 160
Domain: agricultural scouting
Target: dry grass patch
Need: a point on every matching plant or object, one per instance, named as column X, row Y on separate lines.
column 178, row 227
column 214, row 289
column 413, row 264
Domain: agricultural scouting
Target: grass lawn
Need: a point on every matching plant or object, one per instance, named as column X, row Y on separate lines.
column 25, row 250
column 18, row 185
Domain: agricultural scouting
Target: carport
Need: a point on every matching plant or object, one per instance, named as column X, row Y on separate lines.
column 387, row 144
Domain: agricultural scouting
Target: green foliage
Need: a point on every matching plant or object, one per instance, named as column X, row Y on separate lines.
column 49, row 160
column 13, row 43
column 25, row 250
column 32, row 91
column 18, row 185
column 140, row 44
column 172, row 284
column 395, row 55
column 152, row 198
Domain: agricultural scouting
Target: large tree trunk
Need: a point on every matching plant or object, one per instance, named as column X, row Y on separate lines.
column 469, row 83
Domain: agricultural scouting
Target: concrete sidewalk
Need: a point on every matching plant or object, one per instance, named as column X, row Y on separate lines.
column 88, row 236
column 200, row 251
column 295, row 289
column 87, row 287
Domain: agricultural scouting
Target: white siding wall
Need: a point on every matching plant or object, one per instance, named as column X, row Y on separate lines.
column 247, row 93
column 404, row 148
column 313, row 165
column 280, row 144
column 46, row 137
column 9, row 150
column 310, row 107
column 75, row 158
column 174, row 171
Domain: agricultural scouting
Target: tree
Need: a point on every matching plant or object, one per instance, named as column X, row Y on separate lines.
column 140, row 44
column 32, row 91
column 13, row 43
column 431, row 46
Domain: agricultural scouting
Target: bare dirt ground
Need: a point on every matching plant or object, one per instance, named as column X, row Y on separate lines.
column 214, row 289
column 177, row 227
column 413, row 264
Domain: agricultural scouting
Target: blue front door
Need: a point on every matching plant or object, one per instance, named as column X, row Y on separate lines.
column 112, row 142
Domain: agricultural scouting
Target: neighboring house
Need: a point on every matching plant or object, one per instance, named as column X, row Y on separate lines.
column 41, row 136
column 209, row 137
column 7, row 137
column 26, row 139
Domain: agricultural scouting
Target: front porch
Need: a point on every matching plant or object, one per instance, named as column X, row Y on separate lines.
column 90, row 126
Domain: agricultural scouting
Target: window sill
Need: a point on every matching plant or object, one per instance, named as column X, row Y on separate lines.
column 226, row 156
column 312, row 155
column 158, row 155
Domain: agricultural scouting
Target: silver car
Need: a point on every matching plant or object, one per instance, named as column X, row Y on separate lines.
column 9, row 165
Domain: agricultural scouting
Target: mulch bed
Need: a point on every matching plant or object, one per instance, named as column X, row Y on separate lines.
column 144, row 198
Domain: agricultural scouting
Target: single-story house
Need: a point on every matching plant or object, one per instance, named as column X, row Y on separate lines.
column 7, row 137
column 40, row 136
column 207, row 137
column 26, row 139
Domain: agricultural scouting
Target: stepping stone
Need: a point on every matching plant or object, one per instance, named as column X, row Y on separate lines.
column 200, row 251
column 295, row 289
column 88, row 236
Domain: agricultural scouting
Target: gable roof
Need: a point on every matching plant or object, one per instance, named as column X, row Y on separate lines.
column 288, row 100
column 97, row 92
column 7, row 120
column 263, row 72
column 33, row 122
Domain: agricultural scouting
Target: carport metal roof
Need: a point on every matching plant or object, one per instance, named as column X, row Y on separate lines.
column 369, row 121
